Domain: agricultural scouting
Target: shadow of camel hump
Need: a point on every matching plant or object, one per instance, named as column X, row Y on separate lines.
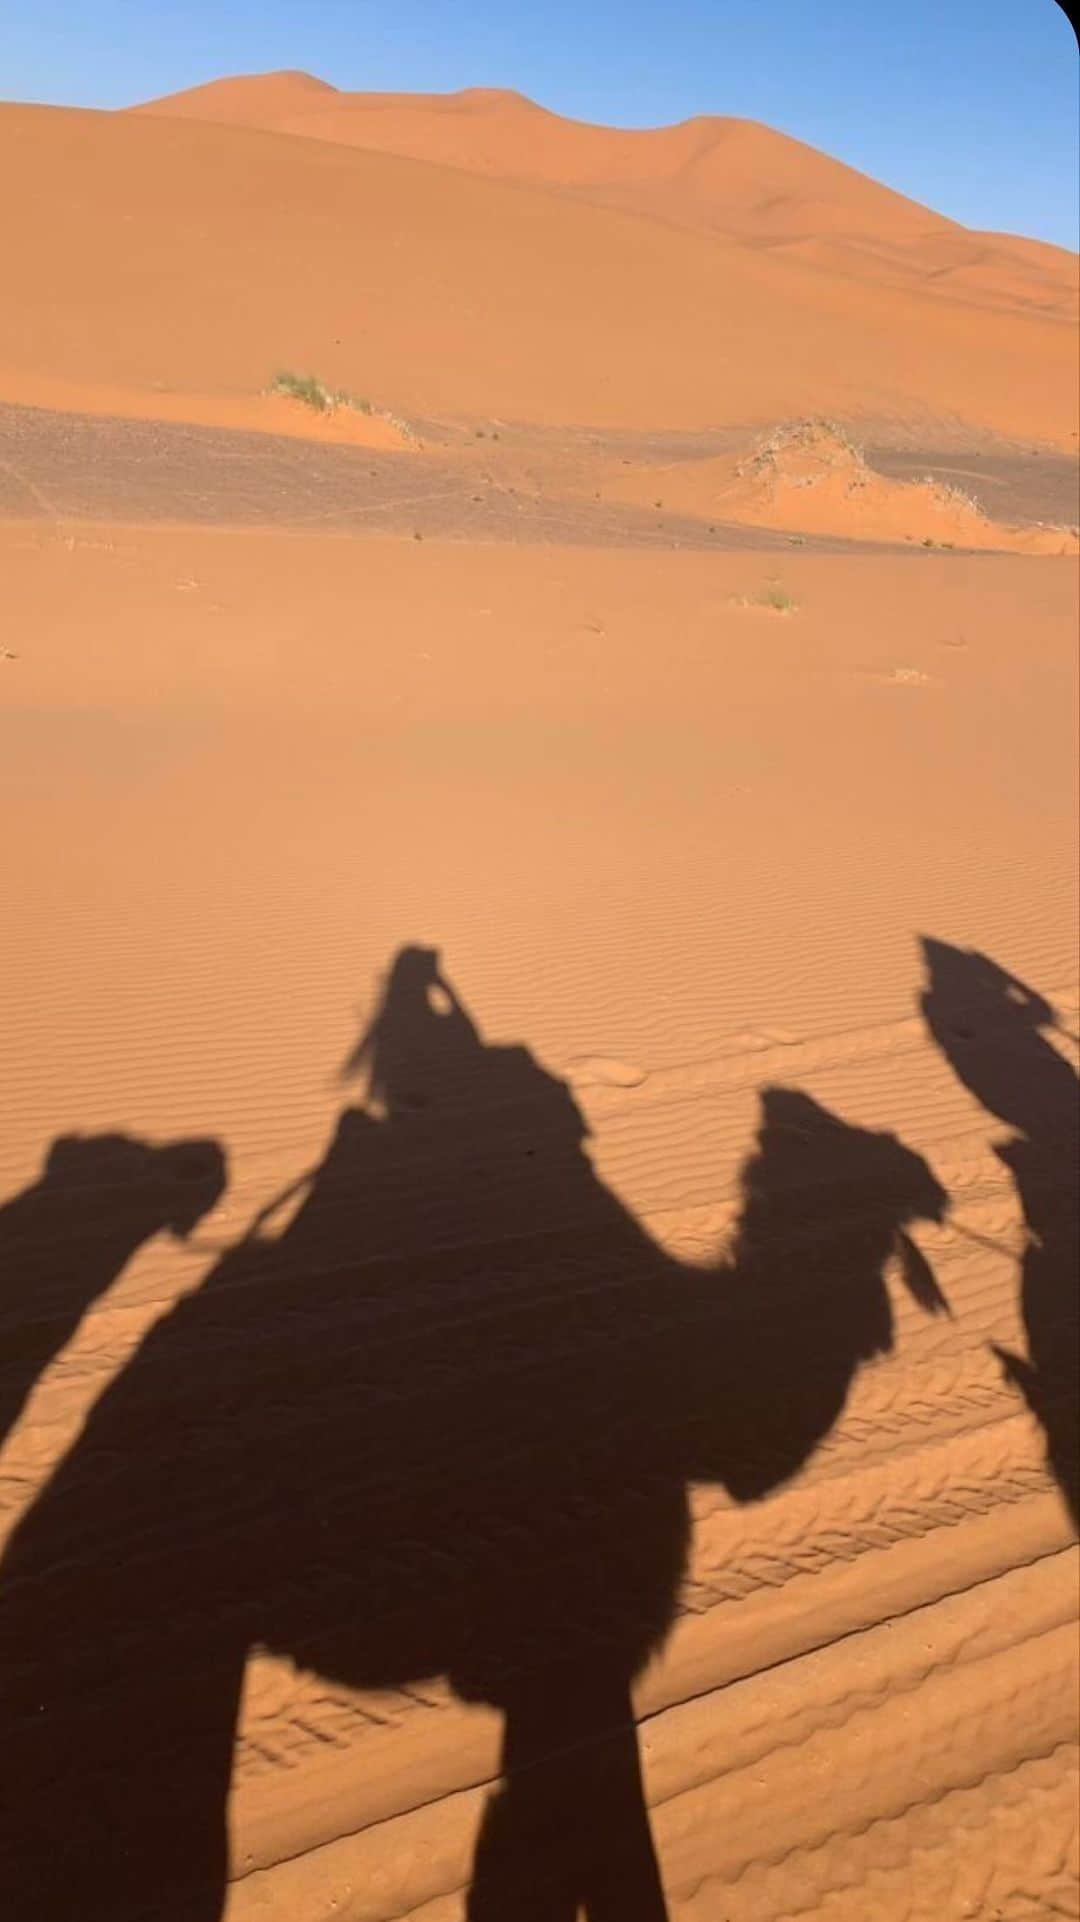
column 443, row 1423
column 992, row 1029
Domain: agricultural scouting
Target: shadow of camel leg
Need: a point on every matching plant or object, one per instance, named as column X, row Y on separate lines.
column 567, row 1835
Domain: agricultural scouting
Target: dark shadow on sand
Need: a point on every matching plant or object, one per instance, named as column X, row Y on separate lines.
column 65, row 1240
column 443, row 1422
column 993, row 1031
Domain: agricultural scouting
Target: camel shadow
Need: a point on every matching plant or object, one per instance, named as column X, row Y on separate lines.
column 992, row 1030
column 69, row 1235
column 442, row 1422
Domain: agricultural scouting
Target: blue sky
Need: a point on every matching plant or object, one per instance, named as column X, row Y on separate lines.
column 967, row 105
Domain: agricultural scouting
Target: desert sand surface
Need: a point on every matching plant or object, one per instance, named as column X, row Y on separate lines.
column 804, row 480
column 540, row 1024
column 684, row 1105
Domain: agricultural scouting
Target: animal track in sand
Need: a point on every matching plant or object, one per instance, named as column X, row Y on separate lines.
column 604, row 1071
column 752, row 1040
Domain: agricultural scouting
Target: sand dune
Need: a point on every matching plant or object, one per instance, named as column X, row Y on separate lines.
column 714, row 174
column 169, row 257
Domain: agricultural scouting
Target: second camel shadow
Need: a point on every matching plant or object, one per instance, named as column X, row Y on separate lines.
column 995, row 1032
column 443, row 1422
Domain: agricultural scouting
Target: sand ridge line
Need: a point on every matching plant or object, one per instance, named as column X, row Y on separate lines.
column 725, row 177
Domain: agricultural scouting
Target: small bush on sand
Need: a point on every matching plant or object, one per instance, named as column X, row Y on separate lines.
column 316, row 394
column 774, row 598
column 947, row 494
column 778, row 599
column 825, row 441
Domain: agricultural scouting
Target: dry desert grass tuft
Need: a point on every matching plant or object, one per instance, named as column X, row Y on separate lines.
column 773, row 599
column 315, row 393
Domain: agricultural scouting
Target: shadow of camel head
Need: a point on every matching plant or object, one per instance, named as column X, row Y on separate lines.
column 66, row 1238
column 120, row 1178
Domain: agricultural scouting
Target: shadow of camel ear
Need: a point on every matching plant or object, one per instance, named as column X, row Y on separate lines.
column 65, row 1163
column 1017, row 1371
column 919, row 1278
column 196, row 1174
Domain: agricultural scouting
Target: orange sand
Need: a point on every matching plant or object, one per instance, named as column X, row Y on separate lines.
column 658, row 1318
column 265, row 413
column 681, row 855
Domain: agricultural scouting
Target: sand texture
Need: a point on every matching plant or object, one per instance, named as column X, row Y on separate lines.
column 538, row 1230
